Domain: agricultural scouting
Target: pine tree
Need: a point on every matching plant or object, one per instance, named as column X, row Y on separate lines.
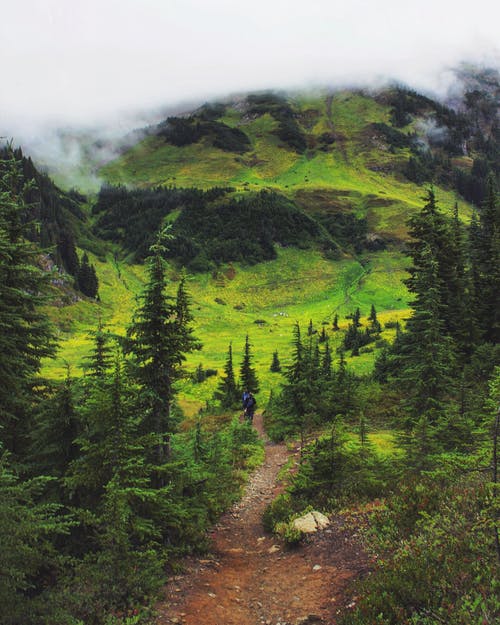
column 275, row 364
column 486, row 258
column 54, row 433
column 323, row 336
column 374, row 322
column 26, row 335
column 326, row 363
column 335, row 325
column 100, row 358
column 184, row 319
column 156, row 340
column 86, row 278
column 248, row 377
column 426, row 358
column 227, row 391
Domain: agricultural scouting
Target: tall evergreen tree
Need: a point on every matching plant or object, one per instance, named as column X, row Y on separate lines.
column 86, row 278
column 157, row 341
column 485, row 241
column 26, row 335
column 425, row 362
column 227, row 391
column 248, row 376
column 100, row 358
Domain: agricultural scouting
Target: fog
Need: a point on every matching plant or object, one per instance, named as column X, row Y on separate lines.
column 120, row 64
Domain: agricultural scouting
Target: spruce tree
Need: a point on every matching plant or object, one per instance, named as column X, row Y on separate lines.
column 335, row 325
column 157, row 340
column 227, row 391
column 248, row 376
column 426, row 358
column 275, row 364
column 26, row 335
column 86, row 278
column 100, row 358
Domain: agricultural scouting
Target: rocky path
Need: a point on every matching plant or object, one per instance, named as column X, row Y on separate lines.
column 251, row 579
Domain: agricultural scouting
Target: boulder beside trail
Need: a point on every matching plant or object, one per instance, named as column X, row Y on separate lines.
column 311, row 522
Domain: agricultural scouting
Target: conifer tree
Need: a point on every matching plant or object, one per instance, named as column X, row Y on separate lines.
column 248, row 376
column 335, row 325
column 374, row 322
column 227, row 391
column 87, row 278
column 157, row 340
column 486, row 259
column 425, row 361
column 26, row 335
column 275, row 364
column 100, row 358
column 326, row 363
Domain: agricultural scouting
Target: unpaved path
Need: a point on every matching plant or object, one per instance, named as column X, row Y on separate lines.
column 251, row 579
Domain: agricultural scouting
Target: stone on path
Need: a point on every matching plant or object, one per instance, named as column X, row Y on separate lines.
column 311, row 522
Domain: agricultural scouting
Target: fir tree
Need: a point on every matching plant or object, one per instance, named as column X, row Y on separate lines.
column 275, row 364
column 100, row 358
column 227, row 391
column 335, row 325
column 87, row 278
column 425, row 361
column 156, row 342
column 248, row 377
column 374, row 322
column 26, row 335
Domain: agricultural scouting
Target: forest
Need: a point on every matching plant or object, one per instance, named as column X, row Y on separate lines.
column 106, row 484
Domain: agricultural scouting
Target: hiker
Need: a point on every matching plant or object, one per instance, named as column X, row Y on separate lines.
column 244, row 398
column 249, row 404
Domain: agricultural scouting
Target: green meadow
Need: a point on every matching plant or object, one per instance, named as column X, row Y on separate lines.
column 356, row 173
column 263, row 301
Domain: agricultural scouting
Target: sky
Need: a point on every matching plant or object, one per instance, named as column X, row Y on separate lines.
column 120, row 64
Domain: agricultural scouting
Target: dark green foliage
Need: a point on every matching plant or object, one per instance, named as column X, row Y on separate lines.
column 393, row 137
column 438, row 558
column 485, row 260
column 157, row 341
column 27, row 555
column 182, row 131
column 100, row 359
column 26, row 336
column 275, row 364
column 54, row 219
column 248, row 377
column 313, row 393
column 228, row 391
column 201, row 374
column 243, row 229
column 277, row 106
column 133, row 218
column 212, row 227
column 86, row 278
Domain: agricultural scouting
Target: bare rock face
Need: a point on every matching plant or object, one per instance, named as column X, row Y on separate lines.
column 311, row 522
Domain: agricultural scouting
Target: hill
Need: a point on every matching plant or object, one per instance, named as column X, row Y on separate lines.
column 284, row 208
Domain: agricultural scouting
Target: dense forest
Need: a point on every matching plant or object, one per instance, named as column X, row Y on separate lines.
column 105, row 484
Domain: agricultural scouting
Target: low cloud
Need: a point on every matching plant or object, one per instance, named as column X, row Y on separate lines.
column 109, row 63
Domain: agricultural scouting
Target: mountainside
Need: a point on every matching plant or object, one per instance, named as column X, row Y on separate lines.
column 353, row 161
column 333, row 175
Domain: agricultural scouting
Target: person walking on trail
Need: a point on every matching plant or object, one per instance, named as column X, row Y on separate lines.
column 249, row 405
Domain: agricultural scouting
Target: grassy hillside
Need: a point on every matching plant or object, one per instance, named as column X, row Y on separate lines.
column 332, row 155
column 264, row 301
column 345, row 155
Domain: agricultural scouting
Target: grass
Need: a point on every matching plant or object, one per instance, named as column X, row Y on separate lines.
column 263, row 301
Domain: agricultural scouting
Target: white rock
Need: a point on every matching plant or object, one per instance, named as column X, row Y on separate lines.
column 311, row 522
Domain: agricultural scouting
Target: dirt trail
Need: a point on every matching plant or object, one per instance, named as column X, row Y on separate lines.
column 251, row 579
